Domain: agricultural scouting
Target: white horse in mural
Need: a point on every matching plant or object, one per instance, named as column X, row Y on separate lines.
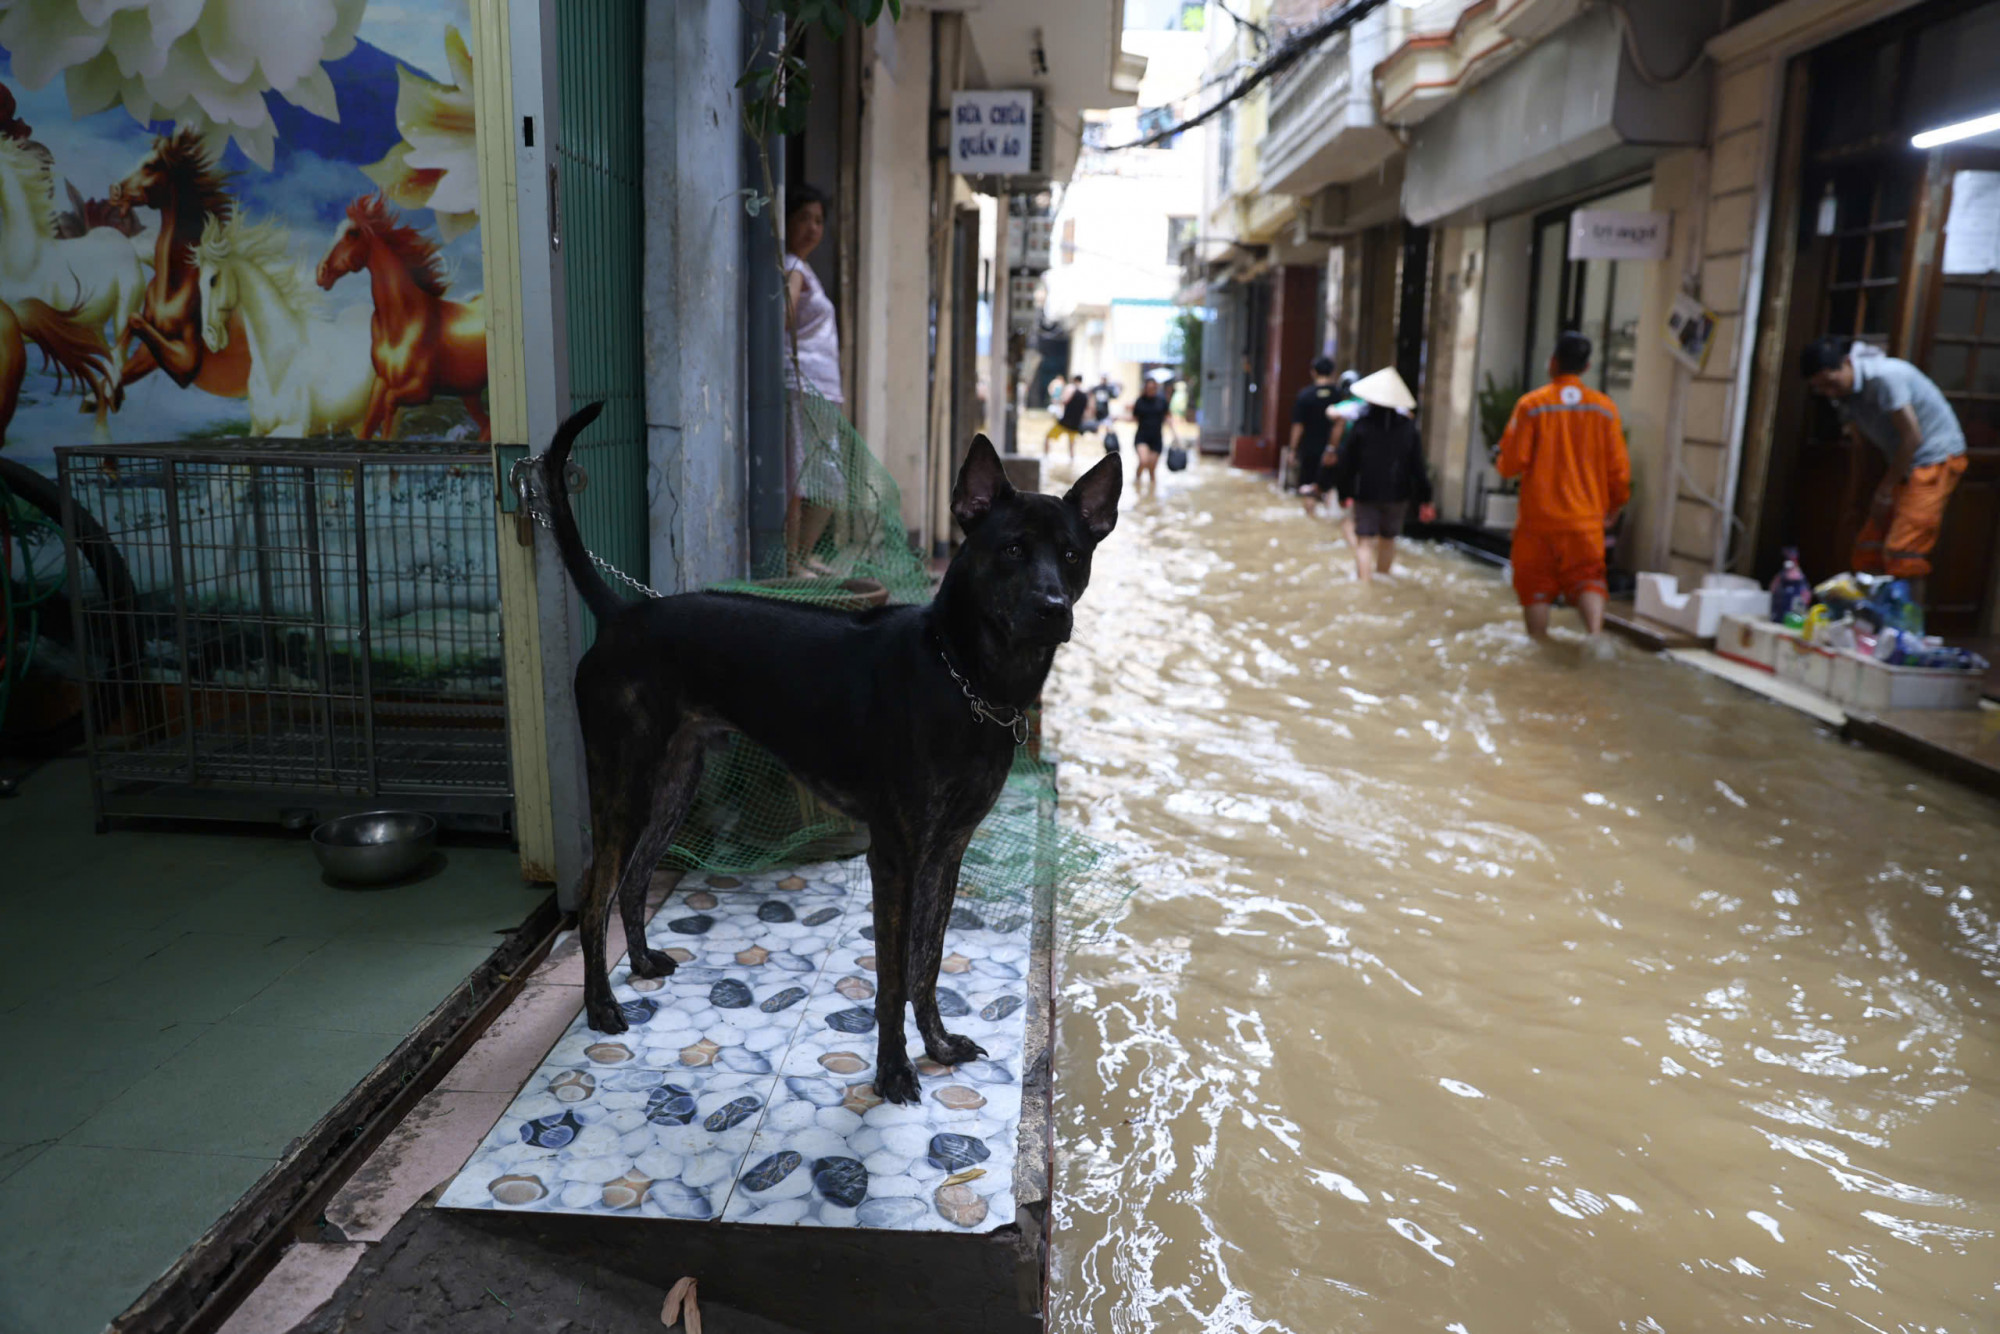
column 308, row 375
column 101, row 273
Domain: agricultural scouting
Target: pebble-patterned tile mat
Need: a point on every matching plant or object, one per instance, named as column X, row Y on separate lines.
column 743, row 1089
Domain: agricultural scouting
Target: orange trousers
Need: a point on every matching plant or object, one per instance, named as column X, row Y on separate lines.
column 1552, row 562
column 1902, row 546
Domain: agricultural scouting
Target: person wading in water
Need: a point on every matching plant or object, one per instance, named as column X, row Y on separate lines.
column 1379, row 470
column 1069, row 419
column 1150, row 417
column 1567, row 445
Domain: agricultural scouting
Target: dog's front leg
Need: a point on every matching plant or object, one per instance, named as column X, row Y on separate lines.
column 888, row 867
column 930, row 913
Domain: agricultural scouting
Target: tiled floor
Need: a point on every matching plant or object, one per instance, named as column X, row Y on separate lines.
column 744, row 1088
column 176, row 1008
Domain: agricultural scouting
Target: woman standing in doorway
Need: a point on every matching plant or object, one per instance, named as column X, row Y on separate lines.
column 815, row 485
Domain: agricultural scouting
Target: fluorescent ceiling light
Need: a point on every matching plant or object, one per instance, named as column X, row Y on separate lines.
column 1965, row 129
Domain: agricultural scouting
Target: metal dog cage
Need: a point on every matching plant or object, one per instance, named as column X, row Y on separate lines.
column 308, row 628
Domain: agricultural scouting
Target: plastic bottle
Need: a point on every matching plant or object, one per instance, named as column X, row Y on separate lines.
column 1904, row 609
column 1790, row 593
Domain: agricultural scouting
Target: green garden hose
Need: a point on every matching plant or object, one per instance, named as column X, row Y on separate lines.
column 26, row 530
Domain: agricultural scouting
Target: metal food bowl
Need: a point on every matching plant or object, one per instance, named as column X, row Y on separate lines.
column 376, row 847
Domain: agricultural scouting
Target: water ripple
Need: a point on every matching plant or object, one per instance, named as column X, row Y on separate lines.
column 1470, row 978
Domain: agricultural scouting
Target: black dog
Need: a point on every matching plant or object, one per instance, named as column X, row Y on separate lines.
column 903, row 717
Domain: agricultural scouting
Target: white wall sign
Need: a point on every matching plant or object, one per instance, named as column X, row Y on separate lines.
column 1603, row 234
column 1972, row 228
column 990, row 132
column 1690, row 331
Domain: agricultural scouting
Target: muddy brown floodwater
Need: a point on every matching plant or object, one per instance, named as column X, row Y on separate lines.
column 1475, row 987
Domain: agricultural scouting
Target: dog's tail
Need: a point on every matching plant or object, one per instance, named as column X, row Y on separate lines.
column 597, row 594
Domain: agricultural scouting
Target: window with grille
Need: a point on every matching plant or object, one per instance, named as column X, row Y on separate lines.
column 1180, row 235
column 1964, row 356
column 1868, row 210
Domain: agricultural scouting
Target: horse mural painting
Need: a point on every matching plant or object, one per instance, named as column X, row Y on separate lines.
column 94, row 279
column 422, row 345
column 68, row 344
column 178, row 179
column 309, row 375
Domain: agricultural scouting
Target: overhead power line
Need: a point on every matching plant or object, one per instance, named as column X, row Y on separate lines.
column 1291, row 49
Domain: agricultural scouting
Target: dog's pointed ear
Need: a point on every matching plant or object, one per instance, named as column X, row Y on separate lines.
column 982, row 484
column 1095, row 496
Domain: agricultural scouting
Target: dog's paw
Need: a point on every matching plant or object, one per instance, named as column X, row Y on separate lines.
column 898, row 1084
column 954, row 1049
column 604, row 1017
column 651, row 963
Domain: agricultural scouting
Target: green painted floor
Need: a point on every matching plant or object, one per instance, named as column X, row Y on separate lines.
column 175, row 1008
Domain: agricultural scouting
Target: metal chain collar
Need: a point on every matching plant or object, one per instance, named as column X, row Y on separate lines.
column 984, row 712
column 520, row 477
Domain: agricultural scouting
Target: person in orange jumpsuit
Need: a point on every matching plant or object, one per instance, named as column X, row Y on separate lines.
column 1567, row 445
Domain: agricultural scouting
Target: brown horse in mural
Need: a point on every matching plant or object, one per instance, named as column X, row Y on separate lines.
column 423, row 346
column 178, row 179
column 68, row 347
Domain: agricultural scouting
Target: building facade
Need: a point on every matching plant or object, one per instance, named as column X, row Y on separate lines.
column 1461, row 161
column 1124, row 217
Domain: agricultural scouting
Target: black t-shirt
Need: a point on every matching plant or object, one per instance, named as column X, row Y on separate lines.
column 1074, row 408
column 1309, row 411
column 1381, row 460
column 1147, row 416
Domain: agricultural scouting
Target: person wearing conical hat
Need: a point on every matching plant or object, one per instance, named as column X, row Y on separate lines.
column 1567, row 445
column 1379, row 470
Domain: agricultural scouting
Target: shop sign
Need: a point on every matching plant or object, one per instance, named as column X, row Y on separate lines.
column 1596, row 233
column 990, row 132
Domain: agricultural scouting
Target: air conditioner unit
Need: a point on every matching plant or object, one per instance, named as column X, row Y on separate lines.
column 1041, row 138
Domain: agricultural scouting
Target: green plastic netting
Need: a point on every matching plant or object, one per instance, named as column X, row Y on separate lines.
column 751, row 815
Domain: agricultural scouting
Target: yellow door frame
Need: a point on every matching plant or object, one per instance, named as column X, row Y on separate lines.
column 507, row 391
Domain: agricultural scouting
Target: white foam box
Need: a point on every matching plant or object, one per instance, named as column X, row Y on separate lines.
column 1751, row 640
column 1700, row 610
column 1805, row 664
column 1861, row 683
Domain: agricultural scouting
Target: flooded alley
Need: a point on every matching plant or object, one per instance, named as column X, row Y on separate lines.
column 1476, row 987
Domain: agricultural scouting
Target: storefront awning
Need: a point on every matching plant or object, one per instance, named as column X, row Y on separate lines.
column 1569, row 114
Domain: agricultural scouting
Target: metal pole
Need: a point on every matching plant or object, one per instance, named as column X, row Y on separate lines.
column 173, row 504
column 81, row 615
column 266, row 611
column 361, row 611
